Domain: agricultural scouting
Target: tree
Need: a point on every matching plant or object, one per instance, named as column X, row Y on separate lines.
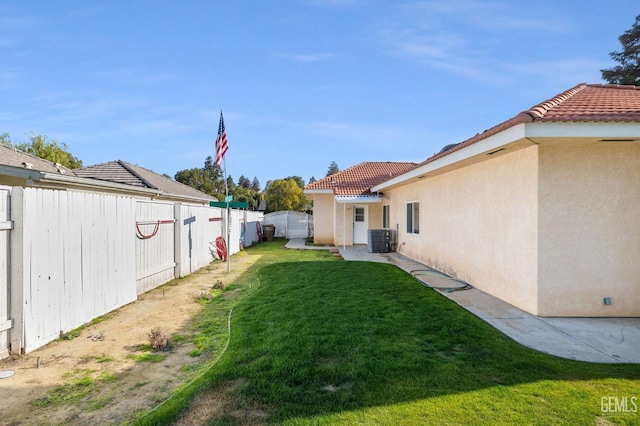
column 313, row 179
column 255, row 184
column 231, row 186
column 213, row 171
column 628, row 72
column 299, row 181
column 47, row 149
column 207, row 179
column 251, row 197
column 285, row 194
column 197, row 178
column 244, row 182
column 333, row 168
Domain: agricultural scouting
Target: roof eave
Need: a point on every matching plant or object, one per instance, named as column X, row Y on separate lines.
column 588, row 130
column 318, row 191
column 172, row 196
column 28, row 174
column 357, row 199
column 489, row 144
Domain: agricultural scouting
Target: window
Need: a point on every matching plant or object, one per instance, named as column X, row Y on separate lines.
column 385, row 216
column 359, row 213
column 413, row 217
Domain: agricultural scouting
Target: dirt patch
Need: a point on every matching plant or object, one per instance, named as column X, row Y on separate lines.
column 101, row 376
column 219, row 404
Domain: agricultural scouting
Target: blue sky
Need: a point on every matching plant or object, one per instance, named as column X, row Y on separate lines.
column 301, row 82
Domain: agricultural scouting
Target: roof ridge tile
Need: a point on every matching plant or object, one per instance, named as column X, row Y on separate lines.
column 539, row 110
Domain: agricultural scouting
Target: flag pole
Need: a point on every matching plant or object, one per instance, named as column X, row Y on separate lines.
column 226, row 193
column 221, row 161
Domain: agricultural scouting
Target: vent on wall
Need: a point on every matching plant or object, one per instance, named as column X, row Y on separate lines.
column 496, row 151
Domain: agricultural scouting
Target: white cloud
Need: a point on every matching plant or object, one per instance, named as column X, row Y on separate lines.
column 569, row 71
column 464, row 37
column 492, row 17
column 306, row 57
column 9, row 78
column 332, row 3
column 132, row 75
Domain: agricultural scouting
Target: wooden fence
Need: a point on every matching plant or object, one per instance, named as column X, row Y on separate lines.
column 74, row 256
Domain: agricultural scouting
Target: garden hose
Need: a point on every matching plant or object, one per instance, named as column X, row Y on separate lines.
column 432, row 272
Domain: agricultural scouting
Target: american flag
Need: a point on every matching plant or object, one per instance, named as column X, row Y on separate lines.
column 221, row 143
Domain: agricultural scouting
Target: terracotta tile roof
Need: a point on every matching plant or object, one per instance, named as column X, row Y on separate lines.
column 584, row 103
column 592, row 103
column 131, row 174
column 10, row 156
column 357, row 180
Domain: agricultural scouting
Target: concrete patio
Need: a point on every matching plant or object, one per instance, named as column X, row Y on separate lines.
column 603, row 340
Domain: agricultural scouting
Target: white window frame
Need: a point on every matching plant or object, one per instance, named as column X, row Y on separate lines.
column 413, row 217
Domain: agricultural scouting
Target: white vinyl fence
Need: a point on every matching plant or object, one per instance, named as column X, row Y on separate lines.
column 74, row 256
column 290, row 224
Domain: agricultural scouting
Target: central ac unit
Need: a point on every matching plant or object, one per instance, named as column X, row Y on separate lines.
column 379, row 240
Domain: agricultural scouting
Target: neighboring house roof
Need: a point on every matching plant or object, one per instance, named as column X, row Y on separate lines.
column 130, row 174
column 115, row 177
column 358, row 180
column 584, row 103
column 13, row 157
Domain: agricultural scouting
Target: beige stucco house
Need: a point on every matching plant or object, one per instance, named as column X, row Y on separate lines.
column 541, row 211
column 344, row 206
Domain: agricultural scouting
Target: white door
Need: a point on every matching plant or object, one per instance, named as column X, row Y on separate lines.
column 360, row 221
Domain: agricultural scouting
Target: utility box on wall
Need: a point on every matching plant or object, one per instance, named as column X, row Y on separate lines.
column 379, row 240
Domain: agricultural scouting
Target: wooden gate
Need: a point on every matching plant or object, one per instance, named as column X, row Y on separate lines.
column 5, row 227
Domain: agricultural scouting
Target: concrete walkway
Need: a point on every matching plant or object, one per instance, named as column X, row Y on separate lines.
column 604, row 340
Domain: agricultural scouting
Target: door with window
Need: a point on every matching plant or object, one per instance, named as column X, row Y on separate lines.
column 360, row 226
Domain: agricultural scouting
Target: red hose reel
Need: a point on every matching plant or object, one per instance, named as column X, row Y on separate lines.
column 221, row 248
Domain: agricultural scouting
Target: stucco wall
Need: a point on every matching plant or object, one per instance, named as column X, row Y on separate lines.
column 344, row 215
column 323, row 218
column 478, row 223
column 375, row 215
column 589, row 229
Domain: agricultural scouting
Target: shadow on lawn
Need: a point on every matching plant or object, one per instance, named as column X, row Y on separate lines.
column 322, row 337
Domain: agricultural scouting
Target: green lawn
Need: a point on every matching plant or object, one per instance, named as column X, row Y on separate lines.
column 317, row 340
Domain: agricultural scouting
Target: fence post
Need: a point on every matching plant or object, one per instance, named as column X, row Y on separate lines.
column 177, row 239
column 16, row 260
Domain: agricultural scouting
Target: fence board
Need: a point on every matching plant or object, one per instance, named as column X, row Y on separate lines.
column 250, row 235
column 5, row 321
column 197, row 236
column 72, row 305
column 155, row 261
